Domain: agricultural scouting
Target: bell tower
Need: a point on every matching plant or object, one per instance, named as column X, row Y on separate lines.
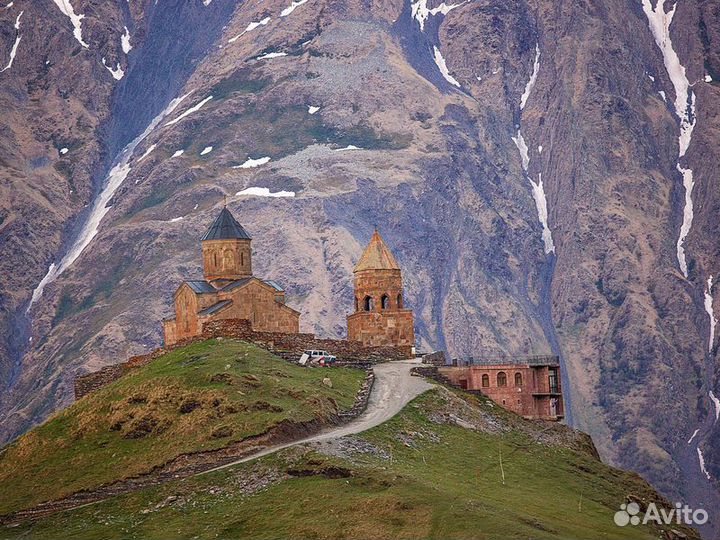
column 380, row 317
column 227, row 254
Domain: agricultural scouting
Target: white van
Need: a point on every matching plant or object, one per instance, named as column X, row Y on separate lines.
column 322, row 358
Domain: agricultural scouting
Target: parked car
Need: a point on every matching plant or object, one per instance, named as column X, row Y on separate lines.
column 321, row 358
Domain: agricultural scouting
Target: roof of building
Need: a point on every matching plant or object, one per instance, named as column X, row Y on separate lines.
column 240, row 282
column 274, row 284
column 226, row 227
column 201, row 286
column 377, row 256
column 214, row 308
column 235, row 284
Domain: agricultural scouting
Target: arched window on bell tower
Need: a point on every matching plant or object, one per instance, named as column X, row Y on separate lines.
column 399, row 301
column 369, row 305
column 385, row 302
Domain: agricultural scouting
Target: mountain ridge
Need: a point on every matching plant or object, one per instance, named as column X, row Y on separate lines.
column 437, row 167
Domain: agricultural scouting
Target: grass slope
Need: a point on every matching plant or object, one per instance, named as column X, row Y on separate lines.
column 200, row 397
column 433, row 471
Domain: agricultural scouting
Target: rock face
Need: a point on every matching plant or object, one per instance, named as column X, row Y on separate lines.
column 527, row 162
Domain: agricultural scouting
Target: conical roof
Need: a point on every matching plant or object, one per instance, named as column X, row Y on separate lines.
column 377, row 256
column 226, row 227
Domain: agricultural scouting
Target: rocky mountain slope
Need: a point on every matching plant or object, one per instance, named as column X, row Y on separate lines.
column 543, row 170
column 416, row 475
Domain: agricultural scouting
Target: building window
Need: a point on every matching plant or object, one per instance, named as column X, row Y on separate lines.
column 385, row 302
column 485, row 381
column 399, row 301
column 357, row 304
column 369, row 304
column 501, row 379
column 518, row 379
column 215, row 259
column 242, row 259
column 229, row 260
column 553, row 380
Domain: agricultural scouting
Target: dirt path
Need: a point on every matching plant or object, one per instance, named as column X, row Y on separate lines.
column 394, row 388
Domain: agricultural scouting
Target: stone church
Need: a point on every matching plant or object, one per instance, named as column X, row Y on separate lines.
column 229, row 290
column 380, row 317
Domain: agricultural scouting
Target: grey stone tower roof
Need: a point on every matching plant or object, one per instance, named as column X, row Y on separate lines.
column 226, row 227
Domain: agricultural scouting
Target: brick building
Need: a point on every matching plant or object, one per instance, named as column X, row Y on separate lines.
column 229, row 290
column 380, row 317
column 527, row 386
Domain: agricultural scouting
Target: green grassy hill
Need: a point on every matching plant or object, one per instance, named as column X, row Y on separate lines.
column 204, row 396
column 433, row 471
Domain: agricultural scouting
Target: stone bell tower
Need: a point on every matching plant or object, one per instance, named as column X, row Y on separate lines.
column 380, row 318
column 226, row 250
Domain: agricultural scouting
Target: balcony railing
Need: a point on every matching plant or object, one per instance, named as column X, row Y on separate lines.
column 532, row 360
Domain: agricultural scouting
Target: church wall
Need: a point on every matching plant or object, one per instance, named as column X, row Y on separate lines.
column 256, row 303
column 230, row 259
column 169, row 332
column 186, row 308
column 376, row 283
column 375, row 329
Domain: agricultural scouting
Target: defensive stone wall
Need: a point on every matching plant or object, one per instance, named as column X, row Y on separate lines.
column 434, row 359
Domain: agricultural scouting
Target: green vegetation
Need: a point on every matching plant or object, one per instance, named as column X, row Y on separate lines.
column 419, row 475
column 241, row 81
column 200, row 397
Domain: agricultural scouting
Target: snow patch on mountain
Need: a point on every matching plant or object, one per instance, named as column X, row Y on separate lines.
column 251, row 163
column 312, row 109
column 523, row 148
column 533, row 78
column 13, row 50
column 178, row 153
column 271, row 55
column 100, row 205
column 249, row 28
column 125, row 41
column 294, row 5
column 701, row 459
column 442, row 66
column 710, row 311
column 76, row 19
column 420, row 12
column 175, row 219
column 716, row 402
column 659, row 22
column 206, row 150
column 348, row 147
column 693, row 436
column 538, row 190
column 117, row 72
column 264, row 192
column 191, row 110
column 63, row 151
column 147, row 152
